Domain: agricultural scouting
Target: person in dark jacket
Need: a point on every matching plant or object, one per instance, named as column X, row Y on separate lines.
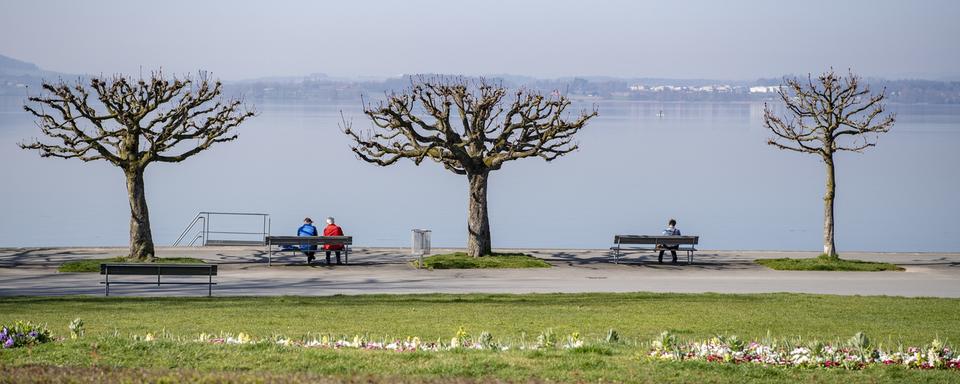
column 670, row 230
column 307, row 229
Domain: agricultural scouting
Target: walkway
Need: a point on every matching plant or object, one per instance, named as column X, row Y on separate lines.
column 243, row 272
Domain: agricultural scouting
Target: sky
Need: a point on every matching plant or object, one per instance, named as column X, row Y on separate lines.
column 736, row 40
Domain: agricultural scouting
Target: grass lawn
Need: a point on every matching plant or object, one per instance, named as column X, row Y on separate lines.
column 93, row 265
column 108, row 347
column 824, row 263
column 460, row 260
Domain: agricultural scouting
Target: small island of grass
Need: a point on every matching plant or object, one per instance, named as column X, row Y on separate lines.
column 826, row 263
column 460, row 260
column 93, row 265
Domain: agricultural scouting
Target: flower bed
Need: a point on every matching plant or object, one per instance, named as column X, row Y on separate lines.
column 856, row 353
column 23, row 334
column 462, row 340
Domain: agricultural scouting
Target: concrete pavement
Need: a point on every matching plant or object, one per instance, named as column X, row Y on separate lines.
column 243, row 272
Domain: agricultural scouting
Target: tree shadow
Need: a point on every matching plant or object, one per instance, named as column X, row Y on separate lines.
column 358, row 257
column 43, row 256
column 598, row 260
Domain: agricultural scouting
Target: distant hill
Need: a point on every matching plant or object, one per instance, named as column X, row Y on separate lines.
column 17, row 68
column 17, row 77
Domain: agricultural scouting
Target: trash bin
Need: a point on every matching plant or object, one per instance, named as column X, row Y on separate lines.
column 421, row 245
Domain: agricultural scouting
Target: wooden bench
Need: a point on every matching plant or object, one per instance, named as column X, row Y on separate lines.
column 148, row 269
column 654, row 243
column 345, row 241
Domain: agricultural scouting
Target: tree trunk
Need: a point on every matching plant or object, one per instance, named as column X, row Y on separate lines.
column 478, row 224
column 829, row 248
column 141, row 240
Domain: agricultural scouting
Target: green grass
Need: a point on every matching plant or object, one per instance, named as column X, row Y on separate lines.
column 460, row 260
column 638, row 317
column 260, row 365
column 825, row 263
column 93, row 265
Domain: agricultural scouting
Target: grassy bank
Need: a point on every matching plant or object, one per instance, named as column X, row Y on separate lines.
column 93, row 265
column 639, row 317
column 460, row 260
column 825, row 263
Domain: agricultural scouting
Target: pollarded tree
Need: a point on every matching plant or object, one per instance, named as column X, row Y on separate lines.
column 825, row 116
column 471, row 128
column 132, row 123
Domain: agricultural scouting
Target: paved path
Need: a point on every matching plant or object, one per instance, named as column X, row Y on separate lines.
column 243, row 271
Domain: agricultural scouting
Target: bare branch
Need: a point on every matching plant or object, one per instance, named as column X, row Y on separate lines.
column 133, row 122
column 822, row 112
column 467, row 126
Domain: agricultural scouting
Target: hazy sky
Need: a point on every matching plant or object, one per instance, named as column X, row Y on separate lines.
column 679, row 39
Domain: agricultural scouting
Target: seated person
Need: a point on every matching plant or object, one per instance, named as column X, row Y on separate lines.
column 332, row 229
column 670, row 230
column 307, row 229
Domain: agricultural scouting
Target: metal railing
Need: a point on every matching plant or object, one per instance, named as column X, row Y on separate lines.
column 202, row 234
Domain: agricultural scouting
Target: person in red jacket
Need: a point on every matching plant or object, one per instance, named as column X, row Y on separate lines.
column 332, row 229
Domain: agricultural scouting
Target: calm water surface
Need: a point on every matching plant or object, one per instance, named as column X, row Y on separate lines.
column 705, row 164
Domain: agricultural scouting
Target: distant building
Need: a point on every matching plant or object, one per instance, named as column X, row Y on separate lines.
column 661, row 88
column 765, row 89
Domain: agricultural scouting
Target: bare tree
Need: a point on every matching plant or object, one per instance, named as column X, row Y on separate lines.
column 132, row 123
column 824, row 116
column 471, row 128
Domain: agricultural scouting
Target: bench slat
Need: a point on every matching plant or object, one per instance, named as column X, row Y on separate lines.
column 623, row 249
column 310, row 240
column 112, row 282
column 664, row 240
column 654, row 243
column 145, row 269
column 159, row 269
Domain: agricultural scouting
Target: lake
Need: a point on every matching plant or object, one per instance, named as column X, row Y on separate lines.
column 705, row 164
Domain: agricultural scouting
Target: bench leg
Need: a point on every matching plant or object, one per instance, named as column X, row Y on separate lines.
column 210, row 284
column 106, row 285
column 269, row 255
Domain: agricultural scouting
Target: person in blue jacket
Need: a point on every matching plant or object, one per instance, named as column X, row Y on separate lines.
column 307, row 229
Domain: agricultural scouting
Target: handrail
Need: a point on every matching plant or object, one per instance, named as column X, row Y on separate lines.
column 189, row 227
column 204, row 232
column 195, row 238
column 236, row 233
column 234, row 213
